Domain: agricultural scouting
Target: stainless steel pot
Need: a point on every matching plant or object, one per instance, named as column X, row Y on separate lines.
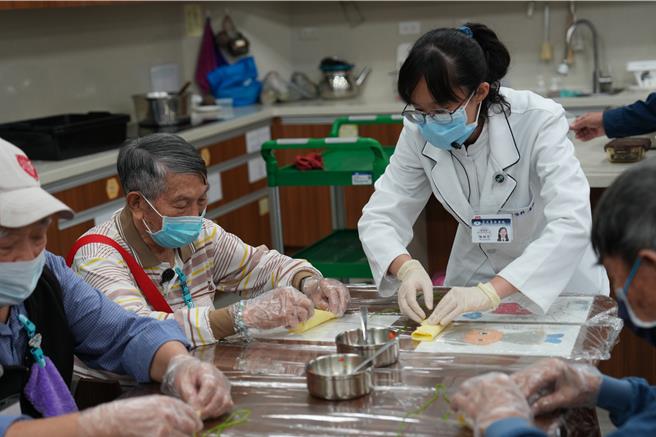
column 162, row 109
column 331, row 377
column 351, row 342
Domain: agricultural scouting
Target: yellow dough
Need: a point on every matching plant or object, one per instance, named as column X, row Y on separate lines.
column 317, row 319
column 426, row 332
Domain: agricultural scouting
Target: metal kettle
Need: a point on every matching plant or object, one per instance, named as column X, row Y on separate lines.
column 338, row 81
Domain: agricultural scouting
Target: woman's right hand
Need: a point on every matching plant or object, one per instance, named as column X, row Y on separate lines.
column 154, row 415
column 413, row 277
column 279, row 307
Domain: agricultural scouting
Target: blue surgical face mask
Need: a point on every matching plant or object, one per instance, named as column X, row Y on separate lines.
column 18, row 279
column 176, row 231
column 452, row 135
column 622, row 295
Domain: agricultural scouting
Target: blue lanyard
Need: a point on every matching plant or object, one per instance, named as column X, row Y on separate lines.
column 186, row 294
column 35, row 340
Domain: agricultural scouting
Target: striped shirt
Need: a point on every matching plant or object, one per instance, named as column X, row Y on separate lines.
column 216, row 261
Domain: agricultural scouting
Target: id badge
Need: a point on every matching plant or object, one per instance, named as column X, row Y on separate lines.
column 492, row 228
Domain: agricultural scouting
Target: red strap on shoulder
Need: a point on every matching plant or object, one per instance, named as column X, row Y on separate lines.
column 145, row 284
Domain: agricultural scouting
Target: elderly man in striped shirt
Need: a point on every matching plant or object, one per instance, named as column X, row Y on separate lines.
column 158, row 256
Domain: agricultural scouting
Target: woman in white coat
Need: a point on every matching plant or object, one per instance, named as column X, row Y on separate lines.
column 494, row 157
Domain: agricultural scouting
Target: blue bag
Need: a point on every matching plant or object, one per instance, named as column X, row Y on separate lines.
column 237, row 81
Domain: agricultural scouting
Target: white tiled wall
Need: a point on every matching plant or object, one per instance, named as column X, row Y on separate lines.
column 625, row 28
column 92, row 58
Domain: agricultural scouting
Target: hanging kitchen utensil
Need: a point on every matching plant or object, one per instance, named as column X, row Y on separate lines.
column 546, row 54
column 572, row 19
column 230, row 39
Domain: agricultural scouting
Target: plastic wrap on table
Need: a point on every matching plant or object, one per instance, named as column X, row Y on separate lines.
column 409, row 398
column 579, row 327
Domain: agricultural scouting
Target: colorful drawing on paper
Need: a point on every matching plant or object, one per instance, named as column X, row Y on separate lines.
column 566, row 309
column 327, row 332
column 505, row 339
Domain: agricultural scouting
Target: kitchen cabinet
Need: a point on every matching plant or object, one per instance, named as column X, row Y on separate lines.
column 249, row 224
column 53, row 4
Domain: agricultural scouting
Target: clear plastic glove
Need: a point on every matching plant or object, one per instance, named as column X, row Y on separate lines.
column 487, row 398
column 155, row 415
column 413, row 277
column 286, row 307
column 199, row 384
column 552, row 383
column 327, row 294
column 589, row 126
column 460, row 300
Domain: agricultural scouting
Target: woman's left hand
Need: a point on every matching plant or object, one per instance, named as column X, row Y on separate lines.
column 460, row 300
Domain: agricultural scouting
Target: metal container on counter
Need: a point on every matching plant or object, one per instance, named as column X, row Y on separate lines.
column 338, row 81
column 352, row 342
column 161, row 108
column 331, row 377
column 624, row 150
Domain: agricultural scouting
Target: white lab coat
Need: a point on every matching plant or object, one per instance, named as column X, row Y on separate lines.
column 536, row 178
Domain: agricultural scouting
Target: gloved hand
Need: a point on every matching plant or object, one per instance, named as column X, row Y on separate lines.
column 487, row 398
column 199, row 384
column 279, row 307
column 461, row 300
column 327, row 294
column 552, row 383
column 413, row 277
column 589, row 126
column 154, row 415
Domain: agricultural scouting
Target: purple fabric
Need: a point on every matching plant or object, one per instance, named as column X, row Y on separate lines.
column 47, row 391
column 209, row 57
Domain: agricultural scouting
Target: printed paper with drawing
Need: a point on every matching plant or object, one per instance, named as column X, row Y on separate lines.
column 516, row 308
column 504, row 339
column 329, row 330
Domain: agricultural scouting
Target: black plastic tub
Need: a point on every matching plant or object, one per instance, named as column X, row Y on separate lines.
column 67, row 136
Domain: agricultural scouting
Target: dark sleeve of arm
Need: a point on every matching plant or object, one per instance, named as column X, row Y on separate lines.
column 626, row 398
column 642, row 424
column 635, row 119
column 513, row 427
column 106, row 336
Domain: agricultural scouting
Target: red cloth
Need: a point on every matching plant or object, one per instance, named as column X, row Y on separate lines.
column 311, row 161
column 208, row 57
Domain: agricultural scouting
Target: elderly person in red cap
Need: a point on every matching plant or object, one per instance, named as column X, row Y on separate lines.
column 48, row 314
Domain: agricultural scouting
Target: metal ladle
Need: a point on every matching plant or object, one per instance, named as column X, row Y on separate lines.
column 369, row 360
column 364, row 314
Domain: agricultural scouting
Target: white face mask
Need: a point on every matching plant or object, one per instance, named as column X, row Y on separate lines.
column 622, row 294
column 18, row 279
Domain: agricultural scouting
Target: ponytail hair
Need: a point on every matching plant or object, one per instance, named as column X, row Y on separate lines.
column 450, row 59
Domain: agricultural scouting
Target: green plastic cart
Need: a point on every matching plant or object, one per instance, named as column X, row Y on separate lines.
column 347, row 162
column 364, row 120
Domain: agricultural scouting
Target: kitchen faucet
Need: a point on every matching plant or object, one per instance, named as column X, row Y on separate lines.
column 563, row 68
